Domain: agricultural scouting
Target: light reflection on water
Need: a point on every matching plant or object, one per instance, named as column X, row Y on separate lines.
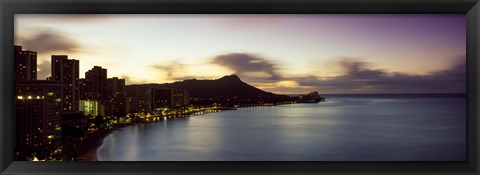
column 341, row 129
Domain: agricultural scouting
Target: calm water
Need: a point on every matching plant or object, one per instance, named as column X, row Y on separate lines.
column 345, row 128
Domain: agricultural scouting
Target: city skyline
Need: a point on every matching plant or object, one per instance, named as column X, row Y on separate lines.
column 284, row 54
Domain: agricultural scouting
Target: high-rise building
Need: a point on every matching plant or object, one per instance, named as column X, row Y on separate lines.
column 94, row 91
column 180, row 98
column 96, row 84
column 116, row 96
column 128, row 104
column 37, row 115
column 140, row 100
column 162, row 98
column 25, row 64
column 116, row 87
column 92, row 107
column 81, row 88
column 67, row 72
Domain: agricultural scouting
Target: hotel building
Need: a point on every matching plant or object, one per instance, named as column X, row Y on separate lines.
column 67, row 72
column 38, row 110
column 25, row 64
column 94, row 91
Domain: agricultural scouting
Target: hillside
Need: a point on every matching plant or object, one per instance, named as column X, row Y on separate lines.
column 227, row 87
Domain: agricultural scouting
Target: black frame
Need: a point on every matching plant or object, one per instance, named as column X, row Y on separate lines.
column 471, row 8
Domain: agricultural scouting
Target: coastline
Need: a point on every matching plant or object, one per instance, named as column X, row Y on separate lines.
column 88, row 149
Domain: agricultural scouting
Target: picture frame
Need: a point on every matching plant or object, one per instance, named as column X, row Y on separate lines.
column 11, row 7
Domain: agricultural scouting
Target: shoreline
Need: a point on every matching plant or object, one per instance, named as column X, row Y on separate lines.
column 88, row 149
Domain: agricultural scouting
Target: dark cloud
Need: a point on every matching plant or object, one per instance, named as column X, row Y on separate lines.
column 359, row 78
column 246, row 65
column 192, row 78
column 359, row 69
column 170, row 68
column 49, row 41
column 129, row 80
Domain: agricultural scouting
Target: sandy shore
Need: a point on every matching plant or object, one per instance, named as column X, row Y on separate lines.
column 88, row 149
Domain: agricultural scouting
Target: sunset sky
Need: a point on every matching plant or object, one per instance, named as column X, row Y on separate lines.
column 286, row 54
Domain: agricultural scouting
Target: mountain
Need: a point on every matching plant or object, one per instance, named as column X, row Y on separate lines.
column 227, row 87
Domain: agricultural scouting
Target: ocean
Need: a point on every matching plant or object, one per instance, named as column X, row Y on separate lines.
column 344, row 128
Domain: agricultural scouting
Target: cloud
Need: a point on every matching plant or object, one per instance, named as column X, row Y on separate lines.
column 248, row 65
column 359, row 78
column 171, row 68
column 49, row 41
column 193, row 77
column 132, row 80
column 43, row 70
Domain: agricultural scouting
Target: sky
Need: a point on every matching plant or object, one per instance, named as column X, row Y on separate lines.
column 284, row 54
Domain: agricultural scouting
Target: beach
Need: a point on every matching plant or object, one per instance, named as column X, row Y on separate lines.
column 88, row 149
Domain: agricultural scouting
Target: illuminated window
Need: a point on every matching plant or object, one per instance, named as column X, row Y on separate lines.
column 29, row 97
column 19, row 97
column 50, row 137
column 50, row 94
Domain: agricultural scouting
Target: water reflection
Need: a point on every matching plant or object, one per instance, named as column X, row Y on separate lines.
column 343, row 129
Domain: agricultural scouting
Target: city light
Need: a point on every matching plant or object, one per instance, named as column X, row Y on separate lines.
column 20, row 97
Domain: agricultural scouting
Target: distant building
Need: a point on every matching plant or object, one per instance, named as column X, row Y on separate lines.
column 150, row 99
column 162, row 98
column 128, row 104
column 169, row 98
column 115, row 96
column 96, row 84
column 140, row 100
column 92, row 107
column 82, row 88
column 311, row 97
column 37, row 115
column 180, row 98
column 25, row 64
column 94, row 91
column 67, row 72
